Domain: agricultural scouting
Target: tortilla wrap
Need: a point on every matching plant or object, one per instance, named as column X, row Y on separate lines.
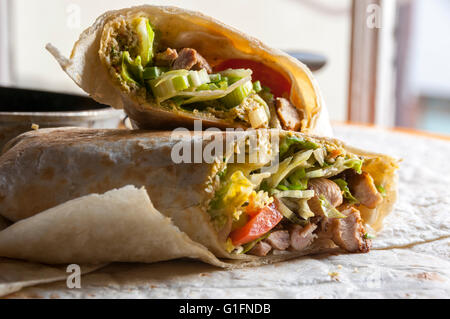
column 17, row 274
column 120, row 225
column 88, row 228
column 216, row 42
column 48, row 167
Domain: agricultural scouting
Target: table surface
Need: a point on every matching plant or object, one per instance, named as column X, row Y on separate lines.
column 404, row 263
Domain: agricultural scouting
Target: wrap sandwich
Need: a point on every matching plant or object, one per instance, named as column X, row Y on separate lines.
column 255, row 196
column 167, row 67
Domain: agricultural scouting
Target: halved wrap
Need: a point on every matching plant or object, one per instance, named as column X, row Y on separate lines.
column 257, row 196
column 167, row 66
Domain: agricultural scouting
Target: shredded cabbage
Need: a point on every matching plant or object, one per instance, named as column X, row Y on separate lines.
column 287, row 166
column 288, row 213
column 303, row 209
column 236, row 73
column 207, row 95
column 341, row 164
column 345, row 191
column 319, row 155
column 307, row 194
column 329, row 210
column 354, row 163
column 289, row 141
column 315, row 173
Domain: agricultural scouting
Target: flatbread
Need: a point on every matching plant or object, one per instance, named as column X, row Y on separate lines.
column 120, row 225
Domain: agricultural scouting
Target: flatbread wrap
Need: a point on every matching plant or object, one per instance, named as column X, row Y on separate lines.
column 167, row 67
column 251, row 196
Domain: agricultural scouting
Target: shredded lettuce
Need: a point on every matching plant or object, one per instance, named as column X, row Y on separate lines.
column 146, row 36
column 354, row 163
column 341, row 164
column 319, row 155
column 307, row 194
column 346, row 191
column 287, row 166
column 298, row 142
column 288, row 213
column 303, row 209
column 297, row 180
column 329, row 210
column 302, row 185
column 131, row 70
column 316, row 173
column 282, row 187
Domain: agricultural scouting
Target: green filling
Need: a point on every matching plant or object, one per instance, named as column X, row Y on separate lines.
column 238, row 95
column 369, row 236
column 146, row 37
column 257, row 86
column 218, row 94
column 288, row 186
column 355, row 163
column 346, row 191
column 153, row 72
column 132, row 70
column 297, row 143
column 329, row 210
column 381, row 190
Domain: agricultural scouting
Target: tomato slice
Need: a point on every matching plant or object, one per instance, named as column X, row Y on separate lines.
column 266, row 219
column 269, row 77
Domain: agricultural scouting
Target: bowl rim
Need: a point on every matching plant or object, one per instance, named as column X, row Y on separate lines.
column 86, row 114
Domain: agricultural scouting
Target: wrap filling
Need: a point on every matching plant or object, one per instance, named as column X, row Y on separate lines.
column 316, row 191
column 182, row 79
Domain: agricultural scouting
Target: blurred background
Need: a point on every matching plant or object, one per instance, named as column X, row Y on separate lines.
column 387, row 61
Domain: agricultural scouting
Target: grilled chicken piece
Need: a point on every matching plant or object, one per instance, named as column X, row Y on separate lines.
column 274, row 121
column 301, row 237
column 329, row 189
column 347, row 233
column 288, row 114
column 190, row 59
column 279, row 239
column 363, row 188
column 166, row 58
column 261, row 249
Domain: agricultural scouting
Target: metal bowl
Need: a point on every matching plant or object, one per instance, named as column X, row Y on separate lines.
column 20, row 109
